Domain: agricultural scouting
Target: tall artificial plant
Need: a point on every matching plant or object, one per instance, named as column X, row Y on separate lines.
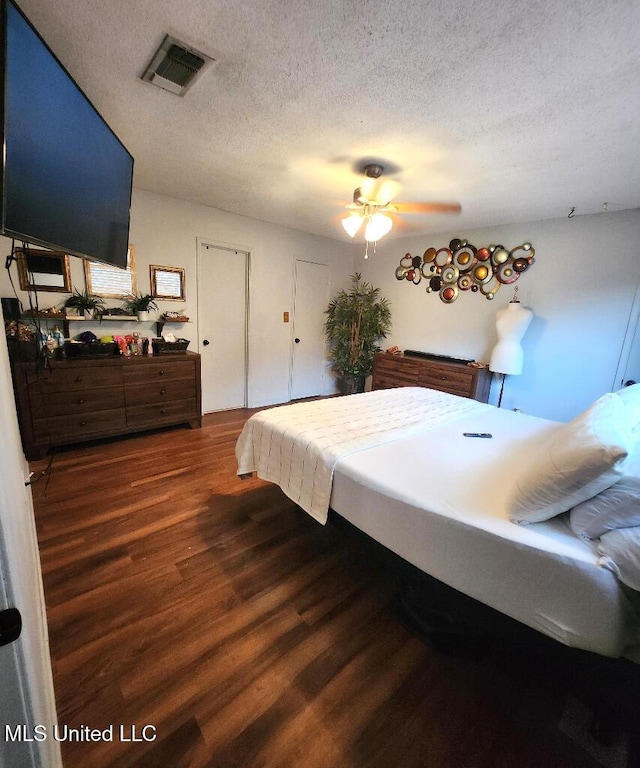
column 357, row 320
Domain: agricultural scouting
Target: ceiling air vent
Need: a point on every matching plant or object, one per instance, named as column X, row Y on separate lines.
column 175, row 66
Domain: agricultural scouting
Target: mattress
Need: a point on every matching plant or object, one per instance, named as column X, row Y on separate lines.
column 297, row 446
column 439, row 500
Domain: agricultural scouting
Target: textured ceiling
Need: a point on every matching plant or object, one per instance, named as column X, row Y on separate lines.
column 518, row 110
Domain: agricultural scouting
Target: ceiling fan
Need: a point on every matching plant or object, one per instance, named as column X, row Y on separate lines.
column 372, row 204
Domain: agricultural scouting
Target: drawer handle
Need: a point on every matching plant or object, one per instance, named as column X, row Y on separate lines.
column 160, row 373
column 78, row 378
column 163, row 411
column 80, row 400
column 443, row 378
column 83, row 423
column 163, row 391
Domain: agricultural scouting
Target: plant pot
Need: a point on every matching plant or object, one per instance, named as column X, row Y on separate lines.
column 142, row 316
column 351, row 384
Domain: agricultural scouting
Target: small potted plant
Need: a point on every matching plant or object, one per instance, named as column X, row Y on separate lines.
column 140, row 305
column 85, row 304
column 356, row 321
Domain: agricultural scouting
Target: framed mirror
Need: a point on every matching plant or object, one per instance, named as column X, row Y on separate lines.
column 111, row 282
column 43, row 270
column 167, row 283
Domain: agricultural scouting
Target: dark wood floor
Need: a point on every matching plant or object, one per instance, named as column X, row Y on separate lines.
column 246, row 634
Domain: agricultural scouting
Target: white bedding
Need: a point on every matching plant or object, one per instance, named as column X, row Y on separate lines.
column 297, row 446
column 395, row 463
column 439, row 501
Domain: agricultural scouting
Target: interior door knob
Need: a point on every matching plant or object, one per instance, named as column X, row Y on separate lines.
column 205, row 343
column 297, row 341
column 10, row 625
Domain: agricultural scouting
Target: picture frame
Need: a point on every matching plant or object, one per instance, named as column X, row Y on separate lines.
column 40, row 270
column 111, row 282
column 167, row 283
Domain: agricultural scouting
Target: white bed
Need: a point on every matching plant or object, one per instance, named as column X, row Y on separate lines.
column 439, row 500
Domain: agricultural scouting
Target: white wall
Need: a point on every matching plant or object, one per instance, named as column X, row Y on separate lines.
column 581, row 289
column 164, row 231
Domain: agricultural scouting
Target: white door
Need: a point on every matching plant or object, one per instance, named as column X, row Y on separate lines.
column 310, row 301
column 223, row 278
column 25, row 668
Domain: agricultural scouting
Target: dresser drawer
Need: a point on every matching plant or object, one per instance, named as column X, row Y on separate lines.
column 458, row 381
column 399, row 367
column 80, row 401
column 168, row 371
column 160, row 391
column 59, row 428
column 162, row 413
column 384, row 381
column 74, row 379
column 394, row 371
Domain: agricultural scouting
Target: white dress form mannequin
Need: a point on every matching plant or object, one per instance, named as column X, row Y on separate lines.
column 511, row 325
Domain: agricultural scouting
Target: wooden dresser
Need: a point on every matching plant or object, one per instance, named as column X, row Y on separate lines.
column 73, row 400
column 447, row 376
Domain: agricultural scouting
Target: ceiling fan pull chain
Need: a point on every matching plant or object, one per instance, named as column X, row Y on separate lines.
column 366, row 248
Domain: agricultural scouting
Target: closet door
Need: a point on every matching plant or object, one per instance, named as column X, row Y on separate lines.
column 308, row 354
column 223, row 276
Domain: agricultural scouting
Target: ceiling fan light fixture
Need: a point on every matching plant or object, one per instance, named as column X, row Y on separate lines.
column 377, row 227
column 352, row 224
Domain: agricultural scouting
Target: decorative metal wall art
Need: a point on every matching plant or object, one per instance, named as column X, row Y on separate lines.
column 463, row 267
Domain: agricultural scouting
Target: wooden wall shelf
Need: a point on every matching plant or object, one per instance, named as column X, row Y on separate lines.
column 65, row 320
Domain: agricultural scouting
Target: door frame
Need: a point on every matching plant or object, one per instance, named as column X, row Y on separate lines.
column 21, row 587
column 201, row 241
column 633, row 328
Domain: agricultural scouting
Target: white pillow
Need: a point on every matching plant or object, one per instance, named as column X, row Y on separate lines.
column 579, row 460
column 615, row 507
column 631, row 399
column 620, row 552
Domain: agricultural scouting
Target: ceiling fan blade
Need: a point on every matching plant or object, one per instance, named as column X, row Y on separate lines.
column 427, row 207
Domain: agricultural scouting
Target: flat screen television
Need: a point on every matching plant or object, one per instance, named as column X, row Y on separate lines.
column 66, row 177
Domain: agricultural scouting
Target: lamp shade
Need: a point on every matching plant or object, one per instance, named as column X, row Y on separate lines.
column 377, row 227
column 511, row 324
column 352, row 224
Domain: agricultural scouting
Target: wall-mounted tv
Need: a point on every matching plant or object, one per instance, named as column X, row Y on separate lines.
column 66, row 177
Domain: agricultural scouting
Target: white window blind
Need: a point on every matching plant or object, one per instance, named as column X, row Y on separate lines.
column 111, row 282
